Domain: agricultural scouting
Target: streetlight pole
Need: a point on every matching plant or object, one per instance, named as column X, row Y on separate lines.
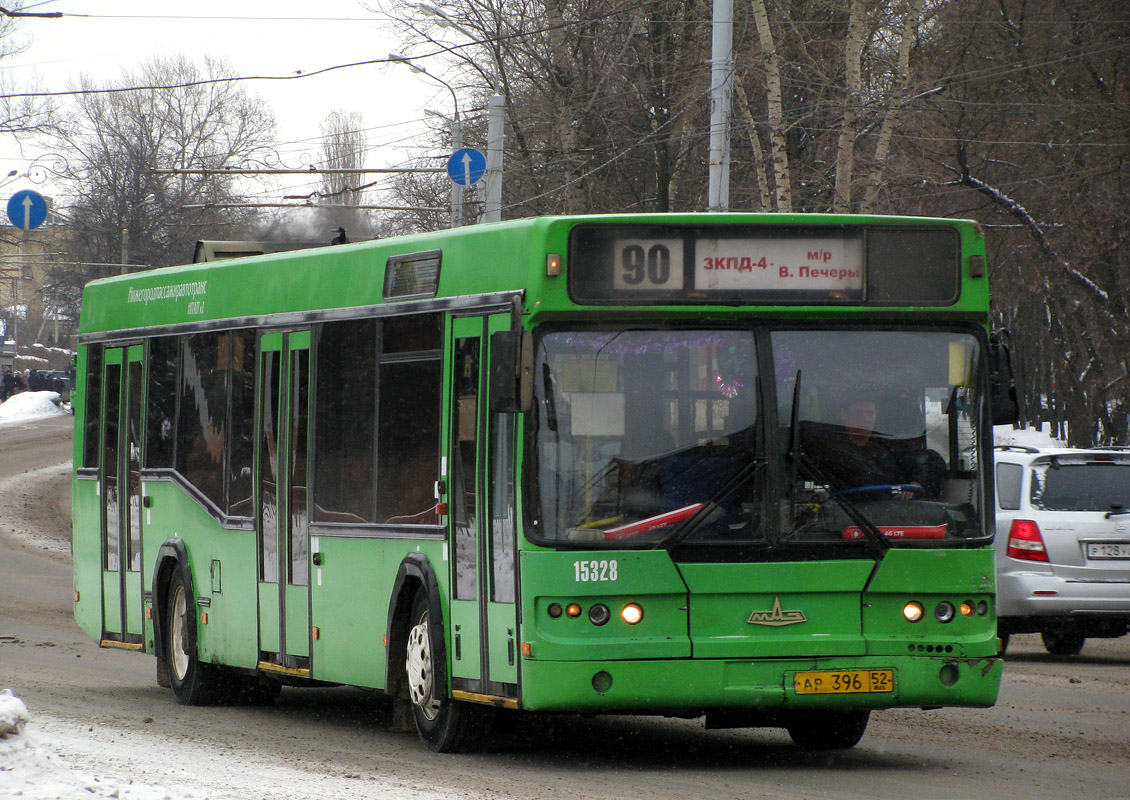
column 456, row 128
column 455, row 125
column 496, row 122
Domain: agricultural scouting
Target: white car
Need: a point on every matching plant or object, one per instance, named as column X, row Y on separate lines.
column 1063, row 544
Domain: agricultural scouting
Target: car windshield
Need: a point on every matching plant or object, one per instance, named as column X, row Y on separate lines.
column 659, row 438
column 1099, row 484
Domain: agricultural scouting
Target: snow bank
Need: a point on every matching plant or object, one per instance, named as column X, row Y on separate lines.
column 13, row 714
column 30, row 405
column 66, row 759
column 32, row 772
column 1006, row 434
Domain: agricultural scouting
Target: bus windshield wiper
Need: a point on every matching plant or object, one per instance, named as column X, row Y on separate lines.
column 870, row 530
column 707, row 508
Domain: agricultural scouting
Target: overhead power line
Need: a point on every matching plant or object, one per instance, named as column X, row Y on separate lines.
column 306, row 171
column 208, row 206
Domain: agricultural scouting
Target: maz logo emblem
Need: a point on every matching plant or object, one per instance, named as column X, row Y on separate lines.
column 775, row 618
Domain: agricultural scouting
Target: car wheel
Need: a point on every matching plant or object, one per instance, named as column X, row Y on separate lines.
column 828, row 730
column 1067, row 643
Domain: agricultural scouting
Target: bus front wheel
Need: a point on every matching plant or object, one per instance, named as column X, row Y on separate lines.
column 193, row 683
column 828, row 730
column 445, row 725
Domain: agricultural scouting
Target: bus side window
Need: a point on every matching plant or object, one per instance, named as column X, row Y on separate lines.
column 161, row 399
column 92, row 400
column 344, row 421
column 202, row 427
column 409, row 403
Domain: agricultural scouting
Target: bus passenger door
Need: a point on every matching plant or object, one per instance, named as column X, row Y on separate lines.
column 282, row 518
column 121, row 496
column 483, row 625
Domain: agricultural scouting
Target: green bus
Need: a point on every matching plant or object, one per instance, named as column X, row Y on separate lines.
column 729, row 466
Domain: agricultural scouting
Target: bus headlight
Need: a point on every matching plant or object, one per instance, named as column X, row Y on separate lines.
column 944, row 611
column 632, row 613
column 912, row 611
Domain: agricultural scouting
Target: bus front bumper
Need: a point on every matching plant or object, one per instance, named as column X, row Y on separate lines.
column 696, row 686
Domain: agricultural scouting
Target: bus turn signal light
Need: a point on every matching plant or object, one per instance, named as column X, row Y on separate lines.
column 573, row 610
column 632, row 613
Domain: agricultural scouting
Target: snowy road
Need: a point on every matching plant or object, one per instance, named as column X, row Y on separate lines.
column 101, row 727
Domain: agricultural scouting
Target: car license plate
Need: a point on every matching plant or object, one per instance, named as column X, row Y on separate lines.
column 1097, row 550
column 844, row 681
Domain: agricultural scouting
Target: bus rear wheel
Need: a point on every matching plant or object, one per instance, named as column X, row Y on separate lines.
column 193, row 683
column 829, row 730
column 445, row 725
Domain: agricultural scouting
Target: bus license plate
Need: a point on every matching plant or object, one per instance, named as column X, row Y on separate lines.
column 844, row 681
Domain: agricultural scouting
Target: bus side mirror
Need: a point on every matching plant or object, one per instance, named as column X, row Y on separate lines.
column 511, row 371
column 1002, row 386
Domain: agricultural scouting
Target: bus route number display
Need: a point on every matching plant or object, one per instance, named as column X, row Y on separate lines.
column 648, row 264
column 827, row 265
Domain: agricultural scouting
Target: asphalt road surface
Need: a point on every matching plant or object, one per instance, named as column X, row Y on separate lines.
column 1060, row 730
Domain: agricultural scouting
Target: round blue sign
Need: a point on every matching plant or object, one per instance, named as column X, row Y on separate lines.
column 27, row 209
column 467, row 166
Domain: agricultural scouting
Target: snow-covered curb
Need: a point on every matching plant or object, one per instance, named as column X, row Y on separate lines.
column 30, row 405
column 1006, row 434
column 66, row 759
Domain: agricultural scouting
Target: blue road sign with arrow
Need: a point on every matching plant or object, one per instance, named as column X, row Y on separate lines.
column 27, row 209
column 467, row 166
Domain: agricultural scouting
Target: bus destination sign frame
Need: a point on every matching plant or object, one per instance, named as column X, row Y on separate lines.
column 742, row 263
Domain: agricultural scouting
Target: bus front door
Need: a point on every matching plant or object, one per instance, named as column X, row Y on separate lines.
column 121, row 497
column 483, row 625
column 282, row 518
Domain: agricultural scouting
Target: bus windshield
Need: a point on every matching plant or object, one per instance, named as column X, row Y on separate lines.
column 659, row 437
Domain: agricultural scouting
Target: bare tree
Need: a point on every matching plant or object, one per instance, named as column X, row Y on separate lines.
column 22, row 111
column 343, row 148
column 168, row 114
column 774, row 100
column 1030, row 132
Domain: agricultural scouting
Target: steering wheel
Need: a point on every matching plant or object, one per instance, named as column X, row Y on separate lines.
column 890, row 488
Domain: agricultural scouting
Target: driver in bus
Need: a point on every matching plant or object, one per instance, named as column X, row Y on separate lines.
column 856, row 454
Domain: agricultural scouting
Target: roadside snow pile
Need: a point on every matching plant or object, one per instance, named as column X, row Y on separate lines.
column 30, row 405
column 13, row 714
column 1006, row 434
column 33, row 773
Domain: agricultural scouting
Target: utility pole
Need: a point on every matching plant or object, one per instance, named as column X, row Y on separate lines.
column 496, row 118
column 492, row 202
column 456, row 188
column 721, row 91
